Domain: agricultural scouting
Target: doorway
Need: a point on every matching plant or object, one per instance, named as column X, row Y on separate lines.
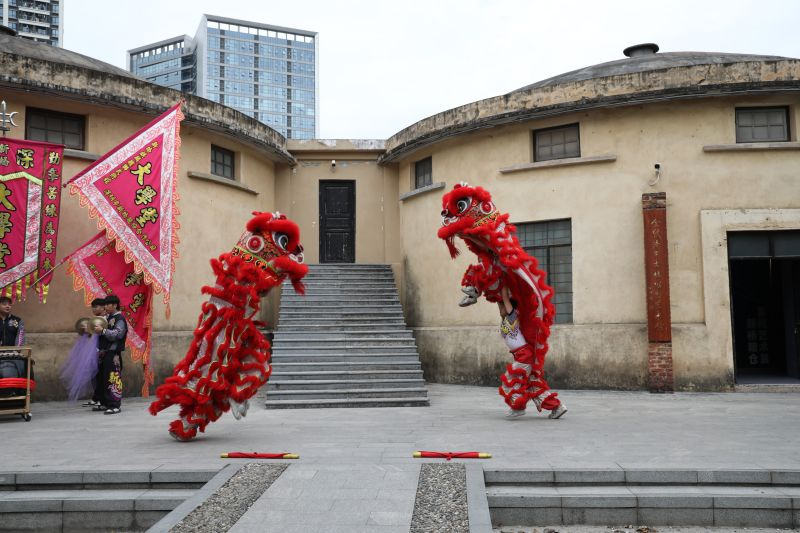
column 765, row 305
column 337, row 221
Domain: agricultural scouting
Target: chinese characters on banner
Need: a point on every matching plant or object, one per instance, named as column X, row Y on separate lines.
column 99, row 269
column 132, row 191
column 30, row 202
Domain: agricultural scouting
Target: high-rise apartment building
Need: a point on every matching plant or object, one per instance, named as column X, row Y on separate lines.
column 267, row 72
column 39, row 20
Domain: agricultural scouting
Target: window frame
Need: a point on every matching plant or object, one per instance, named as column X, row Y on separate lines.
column 215, row 149
column 560, row 317
column 425, row 179
column 787, row 118
column 535, row 141
column 30, row 112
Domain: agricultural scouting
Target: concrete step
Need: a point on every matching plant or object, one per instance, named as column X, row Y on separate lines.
column 353, row 342
column 301, row 327
column 74, row 501
column 338, row 358
column 343, row 297
column 280, row 375
column 668, row 497
column 344, row 307
column 283, row 366
column 344, row 335
column 342, row 384
column 418, row 401
column 281, row 351
column 341, row 394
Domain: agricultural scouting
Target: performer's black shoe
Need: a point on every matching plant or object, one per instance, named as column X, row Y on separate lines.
column 112, row 411
column 99, row 408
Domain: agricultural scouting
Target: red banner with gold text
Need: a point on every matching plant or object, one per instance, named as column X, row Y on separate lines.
column 30, row 202
column 132, row 191
column 99, row 269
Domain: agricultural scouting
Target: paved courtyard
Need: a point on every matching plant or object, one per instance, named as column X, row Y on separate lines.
column 356, row 473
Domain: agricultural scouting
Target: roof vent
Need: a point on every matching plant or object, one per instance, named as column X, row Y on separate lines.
column 7, row 31
column 638, row 50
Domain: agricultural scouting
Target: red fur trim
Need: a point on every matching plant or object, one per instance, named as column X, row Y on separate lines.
column 265, row 223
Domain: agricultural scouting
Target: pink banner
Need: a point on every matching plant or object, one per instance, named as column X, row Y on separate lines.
column 30, row 201
column 132, row 191
column 99, row 269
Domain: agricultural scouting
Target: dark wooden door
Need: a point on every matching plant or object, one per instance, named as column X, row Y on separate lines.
column 337, row 221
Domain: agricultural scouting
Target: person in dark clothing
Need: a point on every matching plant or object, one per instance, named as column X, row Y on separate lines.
column 110, row 346
column 13, row 330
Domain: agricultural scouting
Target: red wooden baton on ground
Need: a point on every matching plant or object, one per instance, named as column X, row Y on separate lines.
column 254, row 455
column 453, row 455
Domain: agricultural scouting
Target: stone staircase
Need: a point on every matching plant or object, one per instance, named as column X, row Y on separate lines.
column 652, row 497
column 74, row 501
column 345, row 343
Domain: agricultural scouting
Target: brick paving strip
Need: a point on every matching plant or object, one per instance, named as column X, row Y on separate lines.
column 441, row 504
column 224, row 508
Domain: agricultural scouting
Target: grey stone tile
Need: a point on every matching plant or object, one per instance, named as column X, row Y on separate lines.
column 603, row 501
column 786, row 477
column 390, row 518
column 167, row 475
column 7, row 478
column 595, row 475
column 753, row 518
column 49, row 478
column 752, row 502
column 100, row 506
column 763, row 477
column 644, row 475
column 678, row 516
column 397, row 494
column 674, row 501
column 39, row 522
column 12, row 505
column 521, row 516
column 116, row 477
column 509, row 475
column 143, row 520
column 598, row 516
column 77, row 521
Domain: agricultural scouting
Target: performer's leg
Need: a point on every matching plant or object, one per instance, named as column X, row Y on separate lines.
column 113, row 371
column 539, row 391
column 515, row 381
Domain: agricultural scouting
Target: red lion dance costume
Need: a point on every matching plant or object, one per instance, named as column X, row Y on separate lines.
column 228, row 359
column 469, row 213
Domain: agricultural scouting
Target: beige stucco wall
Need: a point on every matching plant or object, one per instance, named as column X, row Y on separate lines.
column 603, row 200
column 212, row 216
column 377, row 216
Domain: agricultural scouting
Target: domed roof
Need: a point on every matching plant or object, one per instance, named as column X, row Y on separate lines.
column 648, row 62
column 10, row 44
column 643, row 77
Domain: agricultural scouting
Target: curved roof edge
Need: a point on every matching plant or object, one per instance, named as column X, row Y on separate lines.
column 751, row 74
column 119, row 89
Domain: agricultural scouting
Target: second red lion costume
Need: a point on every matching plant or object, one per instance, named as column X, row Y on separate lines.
column 228, row 359
column 469, row 213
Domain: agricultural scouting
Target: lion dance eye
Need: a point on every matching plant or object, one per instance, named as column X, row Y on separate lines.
column 281, row 239
column 255, row 243
column 463, row 204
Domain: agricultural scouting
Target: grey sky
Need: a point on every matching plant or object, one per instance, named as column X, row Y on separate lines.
column 386, row 65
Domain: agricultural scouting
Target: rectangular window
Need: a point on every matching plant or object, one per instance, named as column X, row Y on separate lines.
column 423, row 172
column 762, row 124
column 221, row 162
column 52, row 126
column 556, row 143
column 551, row 244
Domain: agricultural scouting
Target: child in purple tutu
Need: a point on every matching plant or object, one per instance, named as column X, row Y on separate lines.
column 80, row 369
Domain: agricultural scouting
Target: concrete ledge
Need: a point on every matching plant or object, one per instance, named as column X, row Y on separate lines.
column 519, row 476
column 422, row 190
column 786, row 477
column 661, row 476
column 677, row 517
column 183, row 476
column 183, row 510
column 554, row 163
column 600, row 475
column 222, row 181
column 761, row 477
column 753, row 518
column 480, row 520
column 747, row 147
column 81, row 154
